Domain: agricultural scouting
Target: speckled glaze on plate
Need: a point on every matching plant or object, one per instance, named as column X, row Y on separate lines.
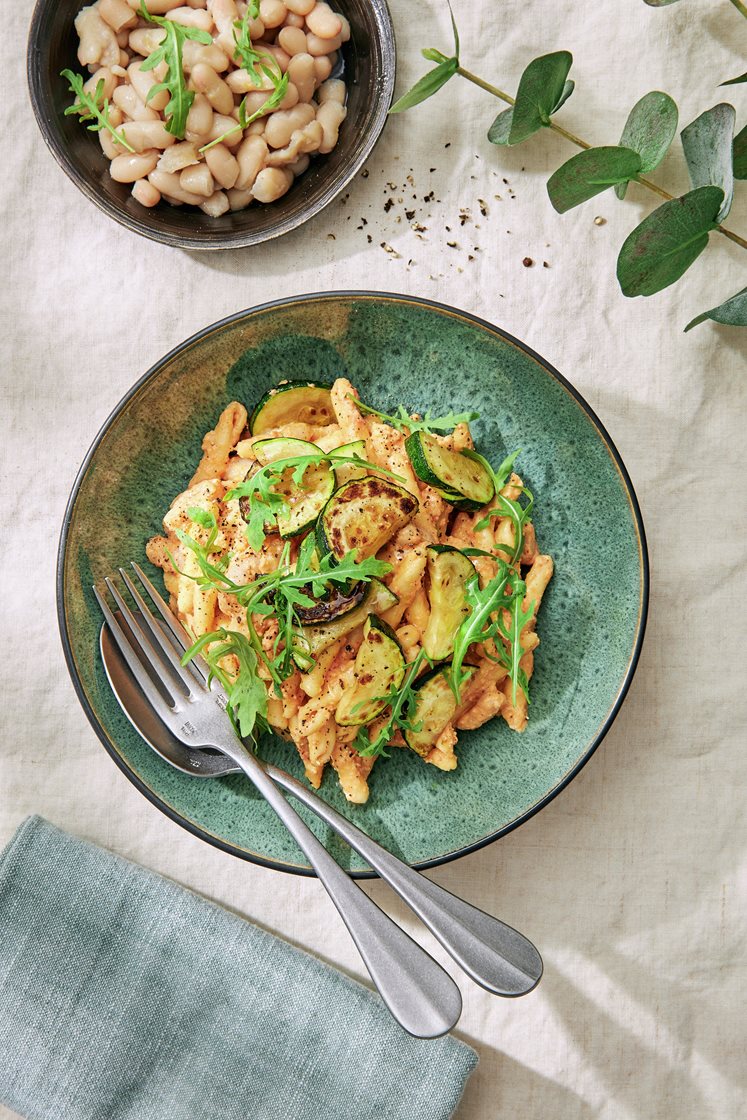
column 427, row 356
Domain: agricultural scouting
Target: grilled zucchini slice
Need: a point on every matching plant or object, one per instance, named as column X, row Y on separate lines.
column 448, row 571
column 305, row 501
column 379, row 664
column 461, row 477
column 321, row 636
column 348, row 471
column 363, row 514
column 305, row 402
column 435, row 706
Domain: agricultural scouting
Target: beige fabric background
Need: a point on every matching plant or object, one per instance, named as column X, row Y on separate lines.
column 629, row 881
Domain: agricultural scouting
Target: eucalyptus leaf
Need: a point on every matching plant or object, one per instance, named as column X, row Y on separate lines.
column 736, row 81
column 707, row 143
column 649, row 130
column 568, row 89
column 429, row 84
column 666, row 243
column 589, row 173
column 659, row 3
column 739, row 154
column 732, row 312
column 542, row 89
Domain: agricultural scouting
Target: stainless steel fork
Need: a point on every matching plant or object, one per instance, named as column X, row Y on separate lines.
column 421, row 996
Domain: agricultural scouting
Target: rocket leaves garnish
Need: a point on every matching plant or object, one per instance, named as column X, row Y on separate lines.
column 403, row 422
column 169, row 51
column 93, row 108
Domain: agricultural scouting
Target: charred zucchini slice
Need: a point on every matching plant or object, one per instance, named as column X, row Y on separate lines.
column 379, row 664
column 345, row 472
column 460, row 477
column 363, row 514
column 305, row 402
column 334, row 605
column 434, row 708
column 305, row 500
column 448, row 571
column 377, row 599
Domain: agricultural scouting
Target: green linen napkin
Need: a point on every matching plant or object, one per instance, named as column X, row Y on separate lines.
column 126, row 997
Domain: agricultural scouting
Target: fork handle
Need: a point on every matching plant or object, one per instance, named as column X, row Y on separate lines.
column 421, row 996
column 496, row 956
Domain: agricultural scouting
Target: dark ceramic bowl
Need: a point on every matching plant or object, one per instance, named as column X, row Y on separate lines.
column 369, row 71
column 395, row 349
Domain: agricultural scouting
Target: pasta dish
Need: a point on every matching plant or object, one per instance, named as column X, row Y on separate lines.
column 356, row 581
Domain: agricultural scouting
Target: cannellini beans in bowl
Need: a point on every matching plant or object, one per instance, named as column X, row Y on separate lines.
column 186, row 119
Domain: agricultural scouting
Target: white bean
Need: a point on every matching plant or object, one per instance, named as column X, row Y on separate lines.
column 299, row 166
column 332, row 90
column 272, row 12
column 125, row 98
column 198, row 180
column 109, row 79
column 224, row 13
column 221, row 125
column 192, row 53
column 281, row 125
column 303, row 141
column 318, row 47
column 223, row 165
column 145, row 193
column 142, row 81
column 239, row 200
column 240, row 82
column 156, row 7
column 301, row 72
column 191, row 17
column 270, row 51
column 272, row 183
column 322, row 22
column 292, row 20
column 216, row 205
column 128, row 168
column 108, row 146
column 205, row 80
column 117, row 14
column 292, row 40
column 300, row 7
column 170, row 185
column 142, row 135
column 98, row 43
column 251, row 157
column 178, row 157
column 199, row 119
column 322, row 68
column 330, row 116
column 144, row 40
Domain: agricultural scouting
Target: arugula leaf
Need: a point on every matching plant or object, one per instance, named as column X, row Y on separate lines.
column 542, row 90
column 403, row 422
column 649, row 130
column 93, row 108
column 707, row 144
column 589, row 173
column 667, row 242
column 245, row 690
column 170, row 52
column 246, row 53
column 732, row 312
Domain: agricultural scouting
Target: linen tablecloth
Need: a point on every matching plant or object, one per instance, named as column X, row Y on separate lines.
column 628, row 881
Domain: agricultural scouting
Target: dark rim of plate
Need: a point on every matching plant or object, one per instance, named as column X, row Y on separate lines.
column 254, row 857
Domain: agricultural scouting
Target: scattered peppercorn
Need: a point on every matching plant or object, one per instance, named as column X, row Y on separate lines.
column 527, row 262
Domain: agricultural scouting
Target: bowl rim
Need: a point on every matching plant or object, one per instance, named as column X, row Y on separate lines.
column 238, row 240
column 452, row 312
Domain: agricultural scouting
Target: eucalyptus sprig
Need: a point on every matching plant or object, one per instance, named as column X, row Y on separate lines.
column 658, row 251
column 93, row 108
column 169, row 51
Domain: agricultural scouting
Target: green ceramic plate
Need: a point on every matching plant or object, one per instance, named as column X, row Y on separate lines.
column 427, row 356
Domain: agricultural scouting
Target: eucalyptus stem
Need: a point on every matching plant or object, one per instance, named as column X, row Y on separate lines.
column 583, row 144
column 741, row 8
